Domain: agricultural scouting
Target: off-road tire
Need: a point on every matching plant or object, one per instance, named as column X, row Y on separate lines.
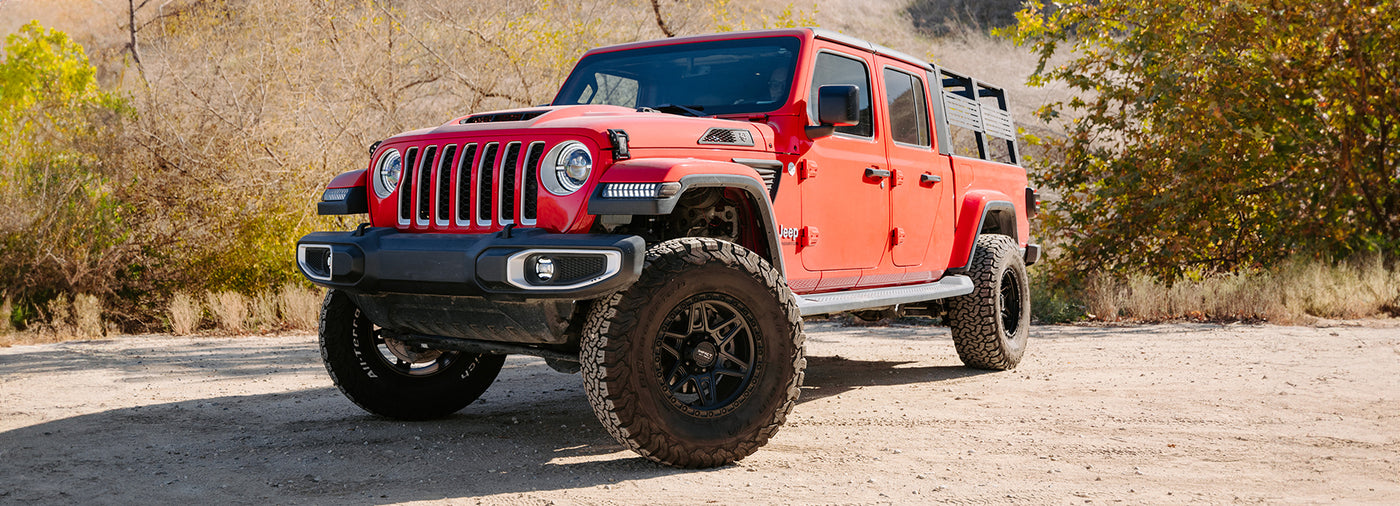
column 646, row 408
column 991, row 325
column 350, row 349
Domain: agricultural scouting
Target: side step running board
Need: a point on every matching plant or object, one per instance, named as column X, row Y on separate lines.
column 834, row 302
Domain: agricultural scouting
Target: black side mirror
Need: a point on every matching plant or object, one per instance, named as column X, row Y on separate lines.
column 837, row 105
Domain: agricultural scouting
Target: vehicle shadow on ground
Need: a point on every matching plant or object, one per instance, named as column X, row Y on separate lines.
column 828, row 376
column 534, row 431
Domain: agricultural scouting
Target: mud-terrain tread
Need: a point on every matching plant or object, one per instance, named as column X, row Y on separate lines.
column 605, row 347
column 415, row 398
column 974, row 318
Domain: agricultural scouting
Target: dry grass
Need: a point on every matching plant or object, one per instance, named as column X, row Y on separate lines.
column 1296, row 291
column 87, row 317
column 300, row 306
column 264, row 312
column 230, row 310
column 185, row 314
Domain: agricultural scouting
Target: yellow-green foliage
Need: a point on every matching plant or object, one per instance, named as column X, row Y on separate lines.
column 1219, row 135
column 62, row 222
column 729, row 16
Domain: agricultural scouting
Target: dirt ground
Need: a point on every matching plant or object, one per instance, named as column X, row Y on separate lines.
column 1155, row 414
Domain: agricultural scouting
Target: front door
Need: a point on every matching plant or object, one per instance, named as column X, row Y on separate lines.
column 845, row 198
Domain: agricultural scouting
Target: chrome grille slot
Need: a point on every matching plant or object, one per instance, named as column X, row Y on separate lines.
column 509, row 165
column 464, row 185
column 529, row 198
column 424, row 191
column 444, row 186
column 406, row 187
column 485, row 176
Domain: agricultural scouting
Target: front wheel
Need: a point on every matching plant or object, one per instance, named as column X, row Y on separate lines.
column 991, row 325
column 700, row 361
column 392, row 378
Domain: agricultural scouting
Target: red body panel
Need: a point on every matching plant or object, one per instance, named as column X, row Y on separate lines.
column 349, row 179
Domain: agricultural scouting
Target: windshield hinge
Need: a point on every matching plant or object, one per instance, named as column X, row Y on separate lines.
column 619, row 144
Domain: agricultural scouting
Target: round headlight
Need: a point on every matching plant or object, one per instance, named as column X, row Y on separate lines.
column 388, row 172
column 572, row 163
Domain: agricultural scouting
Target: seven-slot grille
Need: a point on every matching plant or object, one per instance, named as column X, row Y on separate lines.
column 484, row 184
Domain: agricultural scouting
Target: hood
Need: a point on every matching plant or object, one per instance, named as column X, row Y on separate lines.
column 645, row 130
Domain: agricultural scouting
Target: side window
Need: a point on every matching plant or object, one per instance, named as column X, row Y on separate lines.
column 836, row 69
column 904, row 94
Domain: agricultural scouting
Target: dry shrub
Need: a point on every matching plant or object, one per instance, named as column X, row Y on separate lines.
column 230, row 309
column 185, row 314
column 300, row 306
column 59, row 311
column 1103, row 297
column 87, row 316
column 7, row 309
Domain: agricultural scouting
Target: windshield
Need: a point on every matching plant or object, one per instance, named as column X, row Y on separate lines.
column 701, row 79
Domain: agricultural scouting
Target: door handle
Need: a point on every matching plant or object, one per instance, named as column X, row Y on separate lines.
column 873, row 172
column 930, row 178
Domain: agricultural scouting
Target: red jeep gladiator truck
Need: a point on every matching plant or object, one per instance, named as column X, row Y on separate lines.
column 665, row 225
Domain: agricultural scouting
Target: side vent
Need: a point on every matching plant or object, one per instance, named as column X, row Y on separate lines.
column 727, row 136
column 769, row 170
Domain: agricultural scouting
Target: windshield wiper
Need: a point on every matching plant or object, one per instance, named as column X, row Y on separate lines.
column 697, row 111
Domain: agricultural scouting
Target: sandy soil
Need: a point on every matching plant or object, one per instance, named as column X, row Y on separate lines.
column 1154, row 414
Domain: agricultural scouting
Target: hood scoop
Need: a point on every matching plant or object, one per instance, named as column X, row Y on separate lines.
column 497, row 117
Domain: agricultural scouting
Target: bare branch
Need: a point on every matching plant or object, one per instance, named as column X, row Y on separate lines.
column 661, row 23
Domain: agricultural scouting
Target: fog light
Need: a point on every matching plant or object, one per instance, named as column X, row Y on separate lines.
column 544, row 269
column 315, row 261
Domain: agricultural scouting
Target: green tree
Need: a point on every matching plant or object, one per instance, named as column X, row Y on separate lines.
column 61, row 224
column 1210, row 136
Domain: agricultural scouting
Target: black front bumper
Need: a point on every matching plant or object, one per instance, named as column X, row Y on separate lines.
column 500, row 266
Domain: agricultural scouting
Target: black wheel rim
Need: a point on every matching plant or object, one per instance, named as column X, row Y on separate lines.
column 400, row 357
column 1010, row 304
column 706, row 354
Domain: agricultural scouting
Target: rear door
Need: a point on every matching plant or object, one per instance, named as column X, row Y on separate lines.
column 918, row 173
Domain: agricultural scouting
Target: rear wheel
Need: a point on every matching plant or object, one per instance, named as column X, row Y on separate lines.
column 992, row 324
column 699, row 362
column 391, row 378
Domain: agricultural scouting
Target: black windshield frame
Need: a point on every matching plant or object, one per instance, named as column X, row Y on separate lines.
column 722, row 77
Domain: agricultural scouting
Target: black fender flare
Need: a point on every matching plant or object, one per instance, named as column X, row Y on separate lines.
column 597, row 205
